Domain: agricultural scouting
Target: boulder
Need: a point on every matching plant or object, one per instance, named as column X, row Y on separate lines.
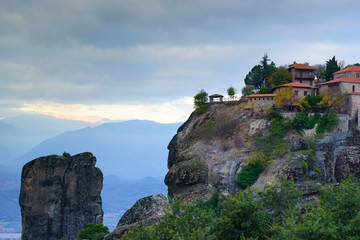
column 146, row 211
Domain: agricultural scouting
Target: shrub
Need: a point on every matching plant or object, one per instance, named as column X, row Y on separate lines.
column 248, row 175
column 200, row 100
column 67, row 155
column 92, row 229
column 231, row 91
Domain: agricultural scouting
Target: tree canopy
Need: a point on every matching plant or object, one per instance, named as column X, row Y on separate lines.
column 200, row 100
column 331, row 67
column 231, row 91
column 280, row 76
column 259, row 74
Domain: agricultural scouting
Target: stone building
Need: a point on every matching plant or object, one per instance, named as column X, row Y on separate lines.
column 350, row 72
column 344, row 85
column 302, row 73
column 300, row 90
column 261, row 100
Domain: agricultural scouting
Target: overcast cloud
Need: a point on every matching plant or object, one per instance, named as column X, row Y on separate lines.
column 145, row 59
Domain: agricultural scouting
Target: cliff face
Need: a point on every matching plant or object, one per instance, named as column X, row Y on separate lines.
column 209, row 149
column 59, row 196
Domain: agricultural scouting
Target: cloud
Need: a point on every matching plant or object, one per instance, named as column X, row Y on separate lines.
column 92, row 53
column 172, row 111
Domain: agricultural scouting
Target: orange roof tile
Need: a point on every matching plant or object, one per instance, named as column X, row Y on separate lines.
column 342, row 79
column 294, row 84
column 262, row 95
column 349, row 69
column 301, row 66
column 354, row 93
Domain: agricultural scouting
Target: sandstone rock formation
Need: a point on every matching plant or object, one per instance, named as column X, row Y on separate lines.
column 209, row 149
column 59, row 196
column 145, row 211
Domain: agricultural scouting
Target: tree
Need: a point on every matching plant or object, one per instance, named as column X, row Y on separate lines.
column 264, row 90
column 331, row 67
column 332, row 100
column 254, row 77
column 231, row 91
column 200, row 100
column 320, row 71
column 284, row 97
column 310, row 101
column 93, row 231
column 247, row 90
column 259, row 74
column 280, row 76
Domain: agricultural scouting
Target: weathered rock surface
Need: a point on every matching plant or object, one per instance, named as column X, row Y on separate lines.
column 59, row 196
column 209, row 149
column 145, row 211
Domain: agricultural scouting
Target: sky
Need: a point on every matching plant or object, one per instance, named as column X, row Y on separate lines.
column 104, row 60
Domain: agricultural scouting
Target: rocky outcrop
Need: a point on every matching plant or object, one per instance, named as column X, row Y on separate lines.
column 145, row 211
column 59, row 196
column 209, row 149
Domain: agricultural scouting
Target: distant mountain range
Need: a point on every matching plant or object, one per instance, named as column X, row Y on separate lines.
column 20, row 134
column 131, row 154
column 131, row 149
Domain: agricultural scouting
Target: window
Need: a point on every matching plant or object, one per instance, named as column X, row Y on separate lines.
column 305, row 93
column 300, row 80
column 353, row 88
column 296, row 93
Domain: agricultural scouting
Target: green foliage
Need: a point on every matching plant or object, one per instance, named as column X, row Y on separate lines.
column 327, row 123
column 264, row 90
column 273, row 114
column 280, row 76
column 247, row 90
column 273, row 213
column 311, row 101
column 255, row 77
column 336, row 216
column 260, row 73
column 67, row 155
column 92, row 231
column 249, row 216
column 181, row 222
column 200, row 102
column 320, row 71
column 331, row 67
column 248, row 175
column 231, row 91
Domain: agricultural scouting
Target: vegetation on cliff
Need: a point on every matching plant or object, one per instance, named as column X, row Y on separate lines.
column 276, row 212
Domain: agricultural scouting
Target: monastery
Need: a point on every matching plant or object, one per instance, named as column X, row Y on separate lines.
column 346, row 82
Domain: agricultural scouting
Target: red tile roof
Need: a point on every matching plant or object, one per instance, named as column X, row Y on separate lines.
column 294, row 84
column 349, row 69
column 262, row 95
column 354, row 93
column 342, row 79
column 301, row 66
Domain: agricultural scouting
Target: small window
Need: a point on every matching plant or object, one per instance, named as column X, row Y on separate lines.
column 296, row 93
column 353, row 88
column 263, row 98
column 300, row 80
column 305, row 93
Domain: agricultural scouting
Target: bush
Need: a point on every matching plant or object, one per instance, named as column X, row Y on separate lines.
column 200, row 100
column 92, row 229
column 264, row 90
column 248, row 175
